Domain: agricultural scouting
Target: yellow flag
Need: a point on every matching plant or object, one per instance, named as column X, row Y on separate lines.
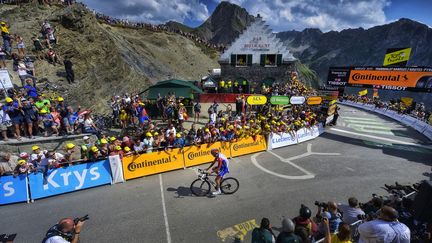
column 407, row 101
column 363, row 92
column 375, row 93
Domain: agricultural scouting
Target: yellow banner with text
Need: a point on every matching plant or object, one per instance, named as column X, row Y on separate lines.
column 196, row 155
column 248, row 146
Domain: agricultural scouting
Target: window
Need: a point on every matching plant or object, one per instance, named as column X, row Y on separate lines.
column 241, row 60
column 271, row 60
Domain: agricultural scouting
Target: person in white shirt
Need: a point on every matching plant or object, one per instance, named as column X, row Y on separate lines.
column 384, row 229
column 350, row 211
column 170, row 129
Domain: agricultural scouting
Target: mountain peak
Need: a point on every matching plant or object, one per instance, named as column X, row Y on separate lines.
column 227, row 21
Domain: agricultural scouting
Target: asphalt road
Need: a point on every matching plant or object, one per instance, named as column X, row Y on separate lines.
column 367, row 151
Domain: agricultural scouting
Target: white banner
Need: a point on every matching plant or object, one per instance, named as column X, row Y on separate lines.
column 116, row 169
column 5, row 81
column 281, row 140
column 306, row 134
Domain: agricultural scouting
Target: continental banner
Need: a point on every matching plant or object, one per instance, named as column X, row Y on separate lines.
column 196, row 155
column 387, row 78
column 248, row 146
column 152, row 163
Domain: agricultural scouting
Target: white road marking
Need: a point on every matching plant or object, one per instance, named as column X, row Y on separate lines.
column 350, row 169
column 358, row 118
column 381, row 138
column 308, row 175
column 168, row 234
column 364, row 122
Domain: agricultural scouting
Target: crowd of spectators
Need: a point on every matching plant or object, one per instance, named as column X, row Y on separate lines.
column 27, row 111
column 382, row 219
column 417, row 110
column 156, row 28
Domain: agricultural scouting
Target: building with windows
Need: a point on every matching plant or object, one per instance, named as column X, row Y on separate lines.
column 256, row 57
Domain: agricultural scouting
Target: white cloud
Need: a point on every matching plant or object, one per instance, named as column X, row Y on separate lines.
column 324, row 14
column 151, row 11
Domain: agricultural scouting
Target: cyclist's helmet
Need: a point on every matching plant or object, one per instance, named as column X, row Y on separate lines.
column 214, row 151
column 305, row 212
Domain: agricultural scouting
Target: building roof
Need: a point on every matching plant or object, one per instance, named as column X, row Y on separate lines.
column 179, row 87
column 258, row 38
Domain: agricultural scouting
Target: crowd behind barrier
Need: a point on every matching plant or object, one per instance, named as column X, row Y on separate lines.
column 408, row 120
column 45, row 182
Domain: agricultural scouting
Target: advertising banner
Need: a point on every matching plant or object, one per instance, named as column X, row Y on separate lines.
column 297, row 100
column 281, row 140
column 256, row 100
column 69, row 179
column 116, row 169
column 196, row 155
column 148, row 164
column 279, row 100
column 399, row 56
column 248, row 146
column 13, row 189
column 306, row 134
column 5, row 81
column 314, row 100
column 387, row 78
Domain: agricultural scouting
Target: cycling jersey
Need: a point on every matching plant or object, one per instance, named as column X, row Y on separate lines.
column 223, row 164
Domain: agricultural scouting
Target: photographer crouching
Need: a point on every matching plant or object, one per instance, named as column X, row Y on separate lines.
column 66, row 230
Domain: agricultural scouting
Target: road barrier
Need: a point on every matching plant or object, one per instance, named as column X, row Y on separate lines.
column 72, row 178
column 420, row 126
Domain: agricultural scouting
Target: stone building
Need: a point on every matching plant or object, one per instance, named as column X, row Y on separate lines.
column 257, row 56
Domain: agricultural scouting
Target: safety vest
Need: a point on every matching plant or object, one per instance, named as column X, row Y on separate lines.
column 244, row 82
column 229, row 84
column 236, row 83
column 222, row 83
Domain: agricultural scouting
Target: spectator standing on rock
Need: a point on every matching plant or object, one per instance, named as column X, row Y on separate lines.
column 5, row 122
column 20, row 46
column 70, row 75
column 13, row 109
column 2, row 57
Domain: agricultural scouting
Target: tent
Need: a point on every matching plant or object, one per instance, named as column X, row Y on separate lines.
column 179, row 87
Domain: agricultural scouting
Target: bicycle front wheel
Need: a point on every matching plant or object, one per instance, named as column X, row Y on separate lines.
column 200, row 188
column 229, row 185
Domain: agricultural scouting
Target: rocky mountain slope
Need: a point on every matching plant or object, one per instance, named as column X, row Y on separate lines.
column 359, row 46
column 225, row 23
column 107, row 60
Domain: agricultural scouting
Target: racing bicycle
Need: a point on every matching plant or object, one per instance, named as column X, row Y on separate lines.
column 201, row 186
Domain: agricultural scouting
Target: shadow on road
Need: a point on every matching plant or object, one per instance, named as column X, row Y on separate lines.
column 182, row 191
column 409, row 152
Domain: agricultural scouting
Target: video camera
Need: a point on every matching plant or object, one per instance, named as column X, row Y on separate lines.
column 321, row 204
column 76, row 220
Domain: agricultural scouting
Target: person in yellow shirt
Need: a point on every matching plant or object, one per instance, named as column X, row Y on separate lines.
column 343, row 235
column 123, row 118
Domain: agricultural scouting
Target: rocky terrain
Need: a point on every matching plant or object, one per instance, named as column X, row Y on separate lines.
column 107, row 60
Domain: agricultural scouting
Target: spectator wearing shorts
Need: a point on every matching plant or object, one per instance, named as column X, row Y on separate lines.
column 5, row 122
column 13, row 109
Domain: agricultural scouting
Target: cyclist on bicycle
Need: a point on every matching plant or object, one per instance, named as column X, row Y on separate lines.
column 221, row 169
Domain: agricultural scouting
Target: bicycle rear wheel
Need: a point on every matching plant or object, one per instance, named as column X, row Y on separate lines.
column 229, row 185
column 200, row 188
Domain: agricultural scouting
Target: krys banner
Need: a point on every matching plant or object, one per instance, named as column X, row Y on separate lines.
column 152, row 163
column 13, row 189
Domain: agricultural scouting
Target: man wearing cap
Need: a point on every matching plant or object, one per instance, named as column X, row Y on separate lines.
column 103, row 147
column 94, row 153
column 85, row 148
column 39, row 160
column 64, row 113
column 13, row 109
column 287, row 235
column 148, row 142
column 70, row 153
column 30, row 115
column 5, row 122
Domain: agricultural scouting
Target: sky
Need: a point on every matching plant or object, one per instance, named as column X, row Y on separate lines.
column 281, row 15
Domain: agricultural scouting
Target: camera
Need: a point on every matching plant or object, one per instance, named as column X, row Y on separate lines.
column 76, row 220
column 321, row 204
